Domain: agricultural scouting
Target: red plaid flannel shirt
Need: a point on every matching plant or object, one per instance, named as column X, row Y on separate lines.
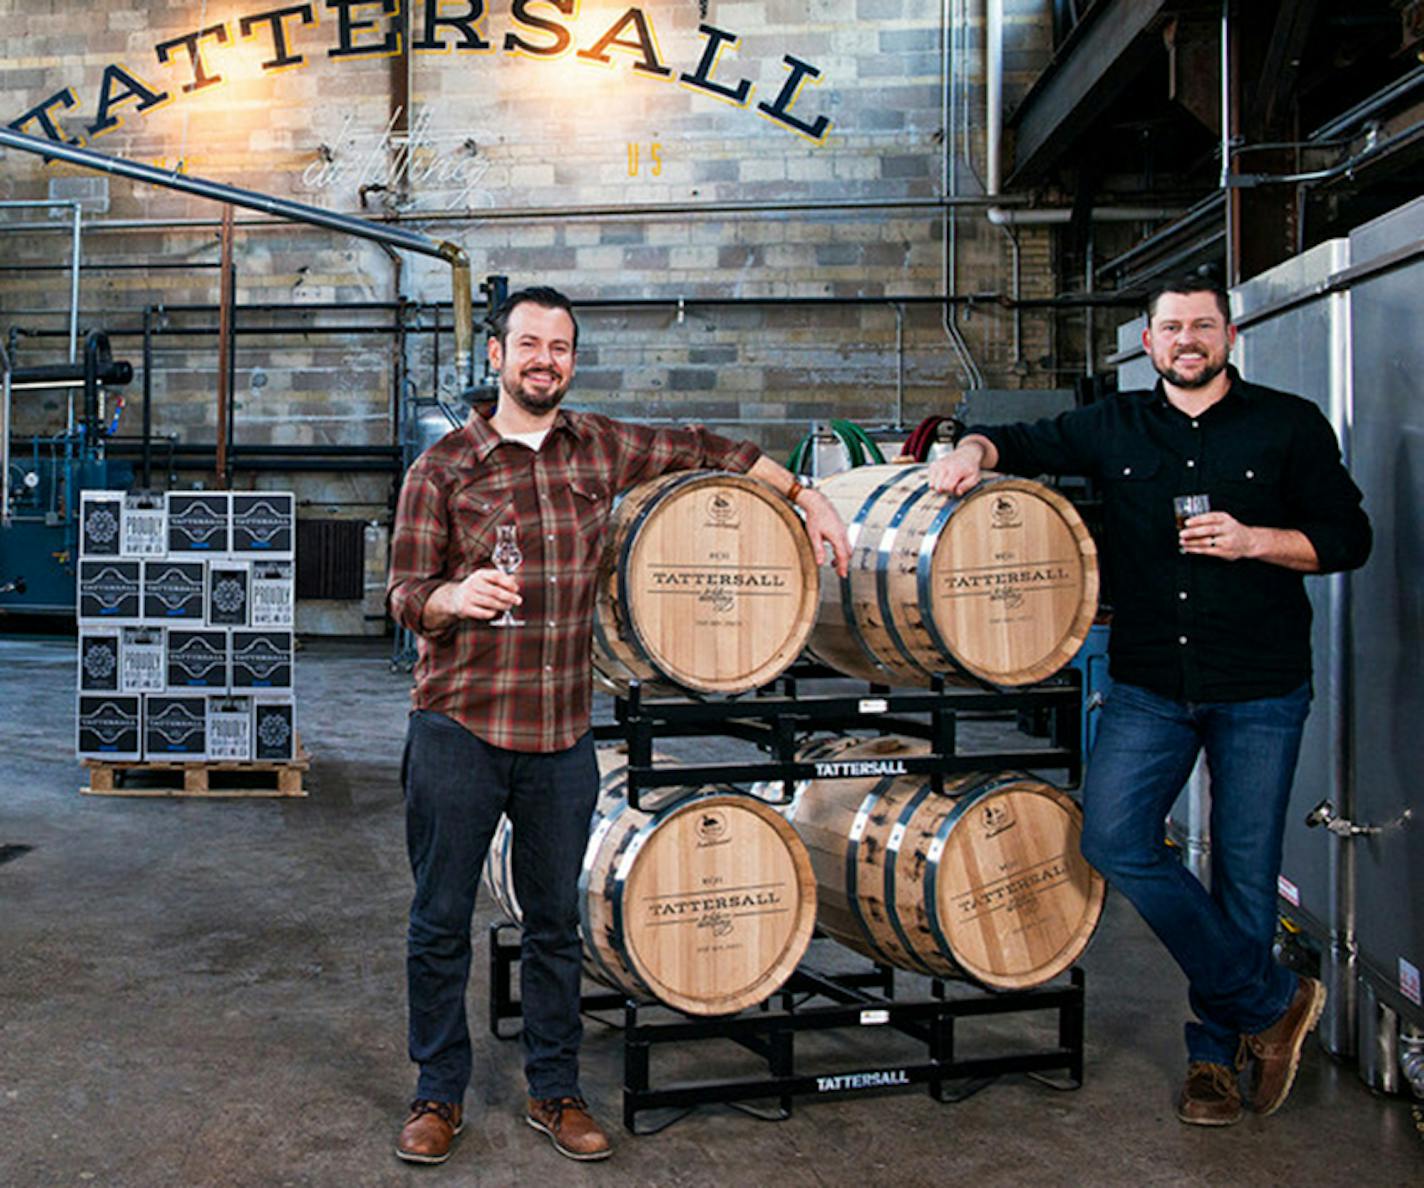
column 526, row 688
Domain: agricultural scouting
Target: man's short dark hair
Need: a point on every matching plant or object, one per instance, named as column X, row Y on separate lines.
column 1192, row 283
column 535, row 295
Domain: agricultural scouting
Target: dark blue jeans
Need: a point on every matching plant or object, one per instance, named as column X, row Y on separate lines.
column 1222, row 939
column 456, row 786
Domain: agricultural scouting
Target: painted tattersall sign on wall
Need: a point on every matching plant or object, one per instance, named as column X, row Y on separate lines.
column 539, row 29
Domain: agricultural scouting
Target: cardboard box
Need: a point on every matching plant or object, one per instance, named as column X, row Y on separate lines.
column 98, row 661
column 228, row 593
column 100, row 523
column 174, row 590
column 199, row 522
column 229, row 728
column 261, row 660
column 175, row 727
column 143, row 662
column 110, row 591
column 264, row 524
column 274, row 729
column 198, row 659
column 273, row 594
column 110, row 726
column 144, row 526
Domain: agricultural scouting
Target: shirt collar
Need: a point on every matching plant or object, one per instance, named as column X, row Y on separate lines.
column 483, row 439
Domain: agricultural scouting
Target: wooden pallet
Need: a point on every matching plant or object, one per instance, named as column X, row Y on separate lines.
column 213, row 780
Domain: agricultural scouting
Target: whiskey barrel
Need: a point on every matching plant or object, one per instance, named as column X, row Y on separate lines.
column 999, row 585
column 984, row 882
column 705, row 903
column 707, row 582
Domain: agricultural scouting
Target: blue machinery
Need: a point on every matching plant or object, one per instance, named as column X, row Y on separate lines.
column 41, row 475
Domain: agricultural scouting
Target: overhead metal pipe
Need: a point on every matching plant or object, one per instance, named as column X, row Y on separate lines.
column 284, row 208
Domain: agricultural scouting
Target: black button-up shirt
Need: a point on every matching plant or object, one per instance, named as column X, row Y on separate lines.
column 1193, row 627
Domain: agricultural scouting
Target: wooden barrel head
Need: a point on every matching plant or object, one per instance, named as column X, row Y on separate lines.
column 709, row 582
column 1014, row 897
column 717, row 904
column 1015, row 581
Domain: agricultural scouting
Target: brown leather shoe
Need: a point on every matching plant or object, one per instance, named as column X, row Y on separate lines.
column 570, row 1127
column 429, row 1132
column 1211, row 1096
column 1276, row 1051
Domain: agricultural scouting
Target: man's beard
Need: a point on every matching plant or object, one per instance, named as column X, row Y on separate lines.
column 535, row 403
column 1212, row 369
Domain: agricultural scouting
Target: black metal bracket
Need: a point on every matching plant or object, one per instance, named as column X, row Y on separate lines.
column 816, row 1001
column 773, row 719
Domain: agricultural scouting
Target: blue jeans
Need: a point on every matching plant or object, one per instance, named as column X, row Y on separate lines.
column 456, row 786
column 1222, row 939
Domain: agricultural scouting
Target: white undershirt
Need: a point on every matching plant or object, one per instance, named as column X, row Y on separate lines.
column 532, row 440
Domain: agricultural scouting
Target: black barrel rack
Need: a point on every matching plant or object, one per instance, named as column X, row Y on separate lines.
column 816, row 1000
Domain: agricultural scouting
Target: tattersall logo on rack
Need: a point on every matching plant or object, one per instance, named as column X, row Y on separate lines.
column 292, row 36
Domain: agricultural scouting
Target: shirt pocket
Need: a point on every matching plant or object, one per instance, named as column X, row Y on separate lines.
column 1248, row 487
column 475, row 517
column 593, row 504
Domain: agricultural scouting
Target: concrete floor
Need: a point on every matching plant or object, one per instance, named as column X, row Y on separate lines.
column 211, row 993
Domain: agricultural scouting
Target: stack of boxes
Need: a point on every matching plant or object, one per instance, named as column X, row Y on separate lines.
column 186, row 612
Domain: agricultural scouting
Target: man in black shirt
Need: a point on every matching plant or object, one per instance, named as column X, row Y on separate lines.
column 1210, row 648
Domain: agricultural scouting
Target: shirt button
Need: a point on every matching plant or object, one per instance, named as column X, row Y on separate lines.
column 1127, row 470
column 551, row 622
column 1181, row 639
column 1195, row 425
column 548, row 668
column 1250, row 474
column 1182, row 595
column 1191, row 462
column 554, row 578
column 549, row 537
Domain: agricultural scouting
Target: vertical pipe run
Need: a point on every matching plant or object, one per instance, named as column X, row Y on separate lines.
column 146, row 473
column 994, row 84
column 1340, row 961
column 75, row 256
column 1230, row 278
column 4, row 436
column 224, row 343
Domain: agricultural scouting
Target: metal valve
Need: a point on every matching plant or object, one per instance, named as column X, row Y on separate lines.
column 1324, row 814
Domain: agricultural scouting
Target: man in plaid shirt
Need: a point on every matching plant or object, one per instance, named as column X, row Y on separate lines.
column 500, row 720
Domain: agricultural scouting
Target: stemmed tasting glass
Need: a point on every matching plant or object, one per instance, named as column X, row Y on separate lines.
column 507, row 558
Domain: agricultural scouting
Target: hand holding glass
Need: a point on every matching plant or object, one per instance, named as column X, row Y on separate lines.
column 1184, row 507
column 507, row 558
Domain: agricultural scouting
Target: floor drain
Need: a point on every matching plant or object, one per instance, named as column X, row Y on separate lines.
column 10, row 853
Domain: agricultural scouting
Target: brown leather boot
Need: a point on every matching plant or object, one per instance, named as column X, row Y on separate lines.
column 1211, row 1096
column 429, row 1132
column 1276, row 1051
column 570, row 1127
